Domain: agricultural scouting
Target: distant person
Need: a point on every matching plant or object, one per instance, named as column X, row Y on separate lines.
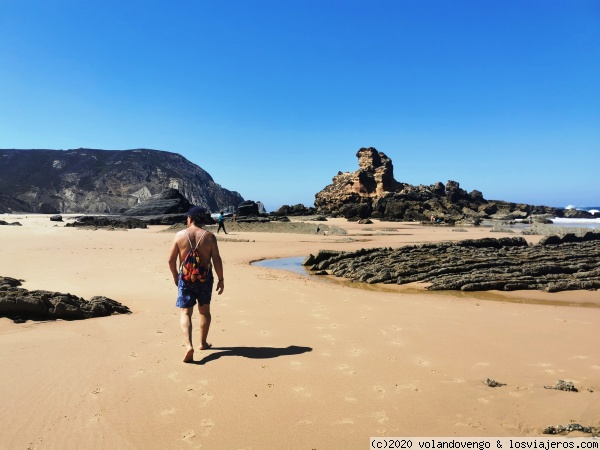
column 234, row 217
column 197, row 251
column 221, row 221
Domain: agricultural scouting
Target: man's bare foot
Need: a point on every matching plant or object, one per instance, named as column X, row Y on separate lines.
column 205, row 346
column 189, row 356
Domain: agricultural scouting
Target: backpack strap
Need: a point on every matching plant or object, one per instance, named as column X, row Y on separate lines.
column 192, row 248
column 197, row 243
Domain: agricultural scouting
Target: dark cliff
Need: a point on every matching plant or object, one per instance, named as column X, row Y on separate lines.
column 101, row 181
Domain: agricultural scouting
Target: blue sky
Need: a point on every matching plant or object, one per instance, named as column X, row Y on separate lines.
column 273, row 98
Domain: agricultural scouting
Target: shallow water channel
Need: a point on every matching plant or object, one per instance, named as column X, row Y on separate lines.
column 293, row 264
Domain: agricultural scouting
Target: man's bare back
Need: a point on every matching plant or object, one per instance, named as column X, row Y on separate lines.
column 208, row 249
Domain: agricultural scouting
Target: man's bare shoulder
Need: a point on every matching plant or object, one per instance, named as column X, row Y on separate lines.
column 179, row 234
column 210, row 236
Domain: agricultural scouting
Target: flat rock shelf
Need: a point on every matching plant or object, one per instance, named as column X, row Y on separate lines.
column 506, row 264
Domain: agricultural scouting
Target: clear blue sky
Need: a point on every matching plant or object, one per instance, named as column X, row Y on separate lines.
column 273, row 98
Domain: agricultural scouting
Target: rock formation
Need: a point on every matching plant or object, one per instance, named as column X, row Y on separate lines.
column 127, row 223
column 372, row 191
column 21, row 304
column 101, row 181
column 474, row 265
column 296, row 210
column 248, row 208
column 168, row 201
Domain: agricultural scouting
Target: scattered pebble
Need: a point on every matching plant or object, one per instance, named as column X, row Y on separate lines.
column 562, row 385
column 572, row 427
column 493, row 383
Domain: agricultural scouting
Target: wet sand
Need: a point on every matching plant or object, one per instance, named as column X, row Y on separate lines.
column 297, row 362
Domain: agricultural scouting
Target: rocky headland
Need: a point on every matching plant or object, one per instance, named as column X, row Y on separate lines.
column 20, row 304
column 372, row 191
column 556, row 263
column 92, row 181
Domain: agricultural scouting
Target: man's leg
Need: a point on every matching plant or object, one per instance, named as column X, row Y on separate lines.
column 185, row 320
column 205, row 318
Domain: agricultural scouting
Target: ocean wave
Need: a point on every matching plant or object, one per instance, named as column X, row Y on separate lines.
column 583, row 223
column 591, row 209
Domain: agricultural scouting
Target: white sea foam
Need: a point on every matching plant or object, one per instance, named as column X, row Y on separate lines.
column 583, row 223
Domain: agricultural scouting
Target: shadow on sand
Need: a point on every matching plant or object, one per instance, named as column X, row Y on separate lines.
column 253, row 352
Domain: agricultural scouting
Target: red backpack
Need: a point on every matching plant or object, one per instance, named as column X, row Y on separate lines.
column 192, row 270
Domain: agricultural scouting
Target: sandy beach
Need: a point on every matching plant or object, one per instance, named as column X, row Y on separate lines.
column 298, row 362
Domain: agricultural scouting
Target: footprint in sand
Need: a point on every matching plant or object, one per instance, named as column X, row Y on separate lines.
column 133, row 355
column 379, row 391
column 207, row 425
column 302, row 391
column 380, row 416
column 328, row 337
column 206, row 398
column 174, row 376
column 397, row 343
column 344, row 421
column 140, row 372
column 305, row 422
column 167, row 415
column 485, row 400
column 407, row 387
column 96, row 391
column 350, row 398
column 467, row 422
column 422, row 362
column 195, row 388
column 454, row 381
column 188, row 436
column 346, row 369
column 356, row 352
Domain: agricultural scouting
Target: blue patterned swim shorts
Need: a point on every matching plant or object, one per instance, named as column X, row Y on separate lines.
column 188, row 294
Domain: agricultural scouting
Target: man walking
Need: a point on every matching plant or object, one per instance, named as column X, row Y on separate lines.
column 197, row 286
column 221, row 221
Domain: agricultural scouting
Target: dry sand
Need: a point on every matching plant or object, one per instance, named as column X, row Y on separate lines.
column 298, row 362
